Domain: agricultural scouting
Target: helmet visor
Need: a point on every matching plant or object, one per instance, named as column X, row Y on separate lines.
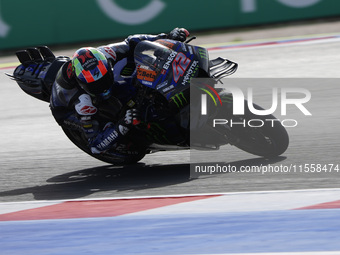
column 99, row 86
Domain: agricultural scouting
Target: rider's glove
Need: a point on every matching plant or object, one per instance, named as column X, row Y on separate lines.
column 131, row 119
column 179, row 34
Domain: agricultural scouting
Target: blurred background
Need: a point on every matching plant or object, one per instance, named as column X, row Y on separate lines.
column 39, row 22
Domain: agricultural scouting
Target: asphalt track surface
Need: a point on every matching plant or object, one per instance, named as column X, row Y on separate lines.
column 37, row 162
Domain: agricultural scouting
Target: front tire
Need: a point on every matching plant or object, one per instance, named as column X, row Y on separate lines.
column 111, row 157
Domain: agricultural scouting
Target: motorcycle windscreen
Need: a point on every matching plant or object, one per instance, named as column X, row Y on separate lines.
column 168, row 66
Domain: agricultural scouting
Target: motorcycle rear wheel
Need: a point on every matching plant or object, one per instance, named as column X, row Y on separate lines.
column 268, row 139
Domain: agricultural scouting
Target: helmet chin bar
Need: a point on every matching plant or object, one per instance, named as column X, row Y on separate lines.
column 106, row 94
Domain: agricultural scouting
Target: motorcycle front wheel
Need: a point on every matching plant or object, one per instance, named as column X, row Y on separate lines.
column 111, row 157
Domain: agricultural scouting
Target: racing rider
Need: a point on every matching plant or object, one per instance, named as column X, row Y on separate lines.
column 85, row 83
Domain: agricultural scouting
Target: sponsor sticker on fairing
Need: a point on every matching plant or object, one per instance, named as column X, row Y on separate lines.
column 146, row 75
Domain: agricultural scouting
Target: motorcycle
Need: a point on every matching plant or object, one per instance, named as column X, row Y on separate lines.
column 163, row 73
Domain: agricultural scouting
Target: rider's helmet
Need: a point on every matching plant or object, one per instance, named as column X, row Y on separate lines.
column 93, row 72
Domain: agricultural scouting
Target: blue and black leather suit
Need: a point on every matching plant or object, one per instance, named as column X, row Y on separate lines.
column 74, row 109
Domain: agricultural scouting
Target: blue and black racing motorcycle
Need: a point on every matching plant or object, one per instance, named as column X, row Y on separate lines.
column 163, row 73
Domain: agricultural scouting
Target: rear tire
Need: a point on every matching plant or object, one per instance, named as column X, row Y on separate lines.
column 268, row 139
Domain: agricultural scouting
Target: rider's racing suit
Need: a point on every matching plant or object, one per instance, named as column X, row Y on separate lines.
column 72, row 108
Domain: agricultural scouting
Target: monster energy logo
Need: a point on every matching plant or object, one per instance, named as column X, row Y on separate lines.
column 227, row 98
column 191, row 72
column 179, row 99
column 157, row 134
column 127, row 71
column 203, row 53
